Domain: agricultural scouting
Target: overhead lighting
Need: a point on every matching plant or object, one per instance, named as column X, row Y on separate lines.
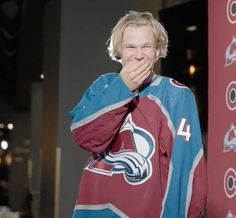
column 4, row 145
column 8, row 159
column 192, row 70
column 10, row 126
column 189, row 53
column 42, row 76
column 191, row 28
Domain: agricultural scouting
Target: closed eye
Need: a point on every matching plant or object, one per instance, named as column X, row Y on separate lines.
column 147, row 46
column 130, row 46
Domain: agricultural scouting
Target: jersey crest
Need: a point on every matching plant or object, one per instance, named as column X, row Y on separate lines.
column 129, row 155
column 177, row 84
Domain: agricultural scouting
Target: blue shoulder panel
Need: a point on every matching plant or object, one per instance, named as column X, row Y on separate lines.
column 106, row 91
column 179, row 104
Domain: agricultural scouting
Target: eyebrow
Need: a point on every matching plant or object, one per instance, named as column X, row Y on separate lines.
column 133, row 44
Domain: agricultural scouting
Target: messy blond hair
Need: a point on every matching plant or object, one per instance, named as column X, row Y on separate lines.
column 133, row 18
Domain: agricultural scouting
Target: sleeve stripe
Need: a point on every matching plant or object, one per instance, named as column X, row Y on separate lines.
column 190, row 181
column 167, row 188
column 99, row 113
column 101, row 207
column 157, row 80
column 165, row 112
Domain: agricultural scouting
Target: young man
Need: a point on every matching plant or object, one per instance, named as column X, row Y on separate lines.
column 143, row 133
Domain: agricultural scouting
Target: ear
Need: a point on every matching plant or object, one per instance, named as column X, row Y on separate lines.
column 157, row 54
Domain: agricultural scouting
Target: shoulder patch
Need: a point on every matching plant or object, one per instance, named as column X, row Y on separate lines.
column 177, row 84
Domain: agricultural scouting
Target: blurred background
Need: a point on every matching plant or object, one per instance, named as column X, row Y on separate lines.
column 50, row 51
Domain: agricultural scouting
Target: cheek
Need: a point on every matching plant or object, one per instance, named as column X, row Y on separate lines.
column 151, row 56
column 127, row 56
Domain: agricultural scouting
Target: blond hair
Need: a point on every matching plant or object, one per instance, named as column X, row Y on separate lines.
column 133, row 18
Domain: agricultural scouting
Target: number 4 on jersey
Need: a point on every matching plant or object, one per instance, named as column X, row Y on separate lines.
column 184, row 129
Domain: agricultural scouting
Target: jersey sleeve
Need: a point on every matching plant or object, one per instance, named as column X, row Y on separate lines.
column 186, row 188
column 100, row 113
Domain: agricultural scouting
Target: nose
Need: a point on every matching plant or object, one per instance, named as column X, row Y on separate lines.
column 139, row 55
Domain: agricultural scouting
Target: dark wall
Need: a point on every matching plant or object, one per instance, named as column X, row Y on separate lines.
column 188, row 48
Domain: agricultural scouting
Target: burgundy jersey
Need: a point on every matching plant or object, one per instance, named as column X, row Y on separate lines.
column 146, row 150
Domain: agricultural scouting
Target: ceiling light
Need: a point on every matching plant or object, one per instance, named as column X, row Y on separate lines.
column 4, row 145
column 10, row 126
column 191, row 28
column 42, row 76
column 192, row 70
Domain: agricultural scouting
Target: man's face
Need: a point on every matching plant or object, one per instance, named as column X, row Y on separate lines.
column 138, row 44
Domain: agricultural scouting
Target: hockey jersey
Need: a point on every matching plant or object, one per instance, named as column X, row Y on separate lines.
column 146, row 151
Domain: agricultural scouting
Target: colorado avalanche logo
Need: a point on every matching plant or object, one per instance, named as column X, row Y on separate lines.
column 230, row 96
column 230, row 183
column 230, row 215
column 230, row 139
column 177, row 84
column 231, row 12
column 230, row 54
column 129, row 155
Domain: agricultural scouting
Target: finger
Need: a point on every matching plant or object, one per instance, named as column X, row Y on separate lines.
column 144, row 75
column 135, row 65
column 132, row 69
column 141, row 77
column 146, row 66
column 145, row 71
